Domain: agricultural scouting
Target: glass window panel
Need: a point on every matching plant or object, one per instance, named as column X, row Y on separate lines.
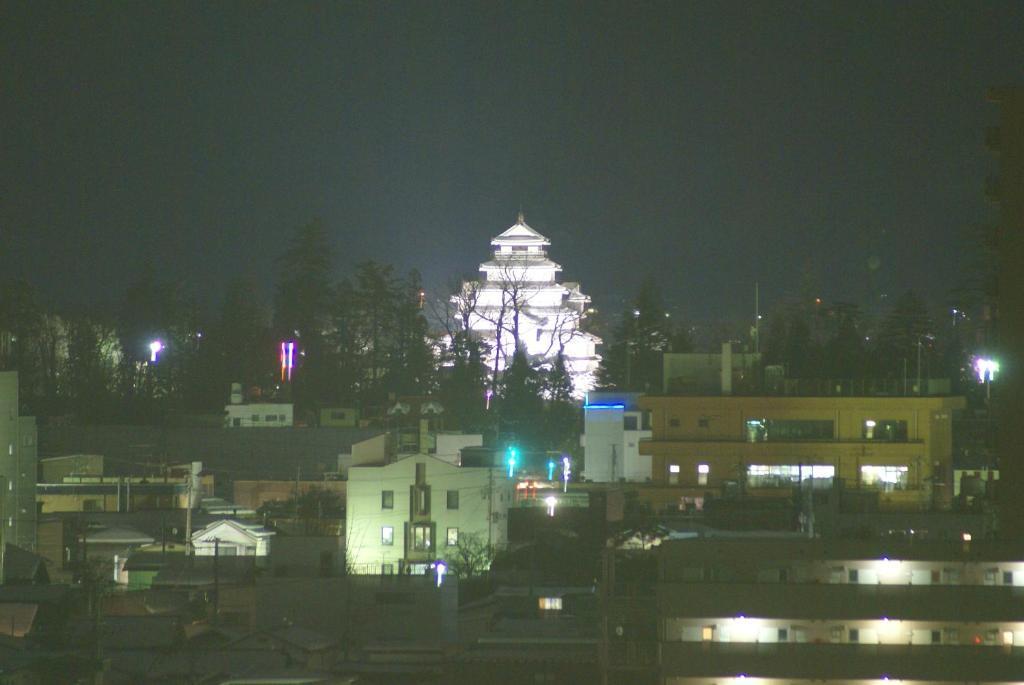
column 886, row 478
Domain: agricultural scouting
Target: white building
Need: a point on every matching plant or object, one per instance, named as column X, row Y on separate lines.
column 518, row 301
column 228, row 538
column 409, row 513
column 613, row 426
column 258, row 415
column 17, row 468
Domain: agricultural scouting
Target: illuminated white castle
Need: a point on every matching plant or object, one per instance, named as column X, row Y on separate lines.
column 517, row 301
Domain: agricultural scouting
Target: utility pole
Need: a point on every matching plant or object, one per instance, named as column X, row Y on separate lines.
column 188, row 515
column 919, row 365
column 216, row 579
column 757, row 317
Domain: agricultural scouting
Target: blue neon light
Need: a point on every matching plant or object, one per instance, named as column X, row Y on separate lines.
column 604, row 406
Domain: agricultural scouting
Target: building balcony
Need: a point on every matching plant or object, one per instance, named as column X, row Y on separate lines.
column 839, row 662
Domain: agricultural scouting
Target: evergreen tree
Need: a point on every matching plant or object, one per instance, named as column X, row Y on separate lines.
column 633, row 360
column 302, row 310
column 521, row 405
column 462, row 390
column 562, row 414
column 904, row 328
column 90, row 372
column 844, row 352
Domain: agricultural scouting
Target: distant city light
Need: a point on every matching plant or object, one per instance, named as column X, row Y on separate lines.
column 155, row 348
column 986, row 369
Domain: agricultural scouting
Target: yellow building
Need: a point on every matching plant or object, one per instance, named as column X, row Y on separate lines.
column 899, row 447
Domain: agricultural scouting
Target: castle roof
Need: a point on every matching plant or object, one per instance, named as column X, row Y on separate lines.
column 520, row 234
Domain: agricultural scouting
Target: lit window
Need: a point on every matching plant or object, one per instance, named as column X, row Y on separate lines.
column 886, row 478
column 673, row 468
column 789, row 475
column 707, row 633
column 549, row 603
column 387, row 536
column 453, row 537
column 702, row 473
column 1008, row 638
column 885, row 429
column 421, row 538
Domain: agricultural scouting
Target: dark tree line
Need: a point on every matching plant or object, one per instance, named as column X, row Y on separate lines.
column 361, row 340
column 809, row 339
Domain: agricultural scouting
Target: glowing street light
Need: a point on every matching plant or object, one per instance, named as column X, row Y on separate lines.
column 511, row 459
column 287, row 359
column 440, row 568
column 551, row 501
column 986, row 369
column 566, row 471
column 155, row 348
column 551, row 469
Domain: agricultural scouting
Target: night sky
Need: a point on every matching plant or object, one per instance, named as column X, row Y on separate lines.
column 709, row 144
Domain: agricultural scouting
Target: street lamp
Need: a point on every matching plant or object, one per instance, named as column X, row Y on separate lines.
column 986, row 370
column 551, row 501
column 511, row 459
column 155, row 348
column 566, row 471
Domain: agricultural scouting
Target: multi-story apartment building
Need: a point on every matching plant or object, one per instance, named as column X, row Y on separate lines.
column 403, row 516
column 795, row 611
column 899, row 447
column 18, row 455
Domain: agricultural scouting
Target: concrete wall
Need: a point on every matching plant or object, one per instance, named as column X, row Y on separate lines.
column 448, row 445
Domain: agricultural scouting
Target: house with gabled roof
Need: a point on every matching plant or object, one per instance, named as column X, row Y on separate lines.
column 227, row 537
